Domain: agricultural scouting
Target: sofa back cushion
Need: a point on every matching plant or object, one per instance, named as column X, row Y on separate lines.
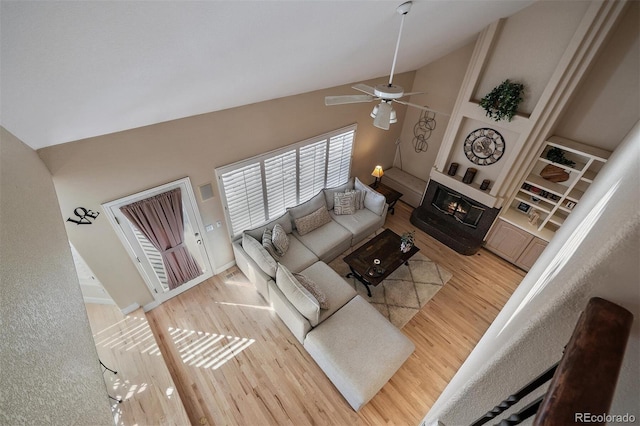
column 308, row 206
column 373, row 200
column 299, row 296
column 259, row 254
column 284, row 221
column 329, row 193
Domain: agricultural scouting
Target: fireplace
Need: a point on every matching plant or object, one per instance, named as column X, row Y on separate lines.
column 453, row 219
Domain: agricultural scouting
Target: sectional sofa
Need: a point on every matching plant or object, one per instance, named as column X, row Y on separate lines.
column 356, row 346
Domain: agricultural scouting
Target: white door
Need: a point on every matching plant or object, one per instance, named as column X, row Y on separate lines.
column 145, row 256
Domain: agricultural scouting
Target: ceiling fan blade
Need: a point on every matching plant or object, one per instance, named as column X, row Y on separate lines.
column 412, row 93
column 383, row 117
column 347, row 99
column 421, row 107
column 364, row 88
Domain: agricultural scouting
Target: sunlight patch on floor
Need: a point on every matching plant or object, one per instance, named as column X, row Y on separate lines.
column 207, row 350
column 133, row 333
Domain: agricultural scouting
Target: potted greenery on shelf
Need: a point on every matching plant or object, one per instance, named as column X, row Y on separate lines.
column 502, row 102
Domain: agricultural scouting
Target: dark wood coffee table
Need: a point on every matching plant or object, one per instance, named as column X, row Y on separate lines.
column 384, row 247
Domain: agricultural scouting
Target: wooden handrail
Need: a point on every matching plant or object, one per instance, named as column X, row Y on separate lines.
column 588, row 371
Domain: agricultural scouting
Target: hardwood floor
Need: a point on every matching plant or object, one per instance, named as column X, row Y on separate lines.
column 234, row 362
column 125, row 344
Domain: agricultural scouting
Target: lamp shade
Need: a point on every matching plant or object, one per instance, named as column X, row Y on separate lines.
column 393, row 119
column 377, row 172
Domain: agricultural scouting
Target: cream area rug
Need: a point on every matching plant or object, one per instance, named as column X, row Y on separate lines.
column 403, row 293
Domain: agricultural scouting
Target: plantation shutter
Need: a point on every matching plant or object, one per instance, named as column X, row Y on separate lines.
column 312, row 169
column 244, row 196
column 280, row 179
column 261, row 188
column 339, row 163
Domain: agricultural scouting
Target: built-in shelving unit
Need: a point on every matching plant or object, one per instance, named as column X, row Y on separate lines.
column 540, row 206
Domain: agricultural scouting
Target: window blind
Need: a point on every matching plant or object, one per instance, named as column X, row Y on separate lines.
column 261, row 188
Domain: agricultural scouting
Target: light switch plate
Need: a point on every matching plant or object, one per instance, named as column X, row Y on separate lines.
column 208, row 228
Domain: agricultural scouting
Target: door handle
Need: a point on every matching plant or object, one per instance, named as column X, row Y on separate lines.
column 199, row 241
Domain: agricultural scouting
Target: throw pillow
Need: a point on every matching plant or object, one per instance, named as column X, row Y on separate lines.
column 344, row 203
column 330, row 192
column 280, row 239
column 315, row 220
column 313, row 288
column 258, row 253
column 299, row 296
column 359, row 198
column 308, row 206
column 373, row 200
column 267, row 243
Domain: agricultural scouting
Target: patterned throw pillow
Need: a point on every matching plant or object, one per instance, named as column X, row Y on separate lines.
column 344, row 203
column 267, row 243
column 315, row 220
column 280, row 239
column 359, row 198
column 313, row 288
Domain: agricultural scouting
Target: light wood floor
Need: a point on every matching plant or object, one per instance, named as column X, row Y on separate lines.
column 126, row 344
column 234, row 362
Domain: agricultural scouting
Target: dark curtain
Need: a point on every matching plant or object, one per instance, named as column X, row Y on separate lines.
column 160, row 219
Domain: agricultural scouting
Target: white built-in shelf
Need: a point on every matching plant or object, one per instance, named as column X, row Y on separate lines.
column 554, row 201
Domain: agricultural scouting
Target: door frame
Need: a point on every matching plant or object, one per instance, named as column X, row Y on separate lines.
column 160, row 297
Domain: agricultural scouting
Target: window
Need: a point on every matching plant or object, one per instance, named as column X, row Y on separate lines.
column 261, row 188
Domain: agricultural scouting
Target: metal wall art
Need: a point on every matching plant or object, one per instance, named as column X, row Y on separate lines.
column 84, row 216
column 422, row 130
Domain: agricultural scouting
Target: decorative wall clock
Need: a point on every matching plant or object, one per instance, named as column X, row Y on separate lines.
column 484, row 146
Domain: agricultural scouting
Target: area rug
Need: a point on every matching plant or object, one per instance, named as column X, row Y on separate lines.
column 403, row 293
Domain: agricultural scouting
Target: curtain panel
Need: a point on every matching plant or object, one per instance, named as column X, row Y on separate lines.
column 160, row 219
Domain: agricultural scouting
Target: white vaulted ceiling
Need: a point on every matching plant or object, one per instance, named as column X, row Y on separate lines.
column 72, row 70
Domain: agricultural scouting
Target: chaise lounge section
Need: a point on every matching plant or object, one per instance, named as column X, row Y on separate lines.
column 348, row 330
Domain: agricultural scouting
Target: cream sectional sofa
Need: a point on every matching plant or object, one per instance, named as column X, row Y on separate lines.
column 357, row 347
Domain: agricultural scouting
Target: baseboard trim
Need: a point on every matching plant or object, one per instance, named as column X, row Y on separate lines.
column 225, row 267
column 129, row 309
column 152, row 305
column 98, row 301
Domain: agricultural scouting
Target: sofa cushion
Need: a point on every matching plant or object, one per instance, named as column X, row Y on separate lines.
column 267, row 243
column 299, row 296
column 280, row 239
column 314, row 289
column 344, row 203
column 361, row 222
column 338, row 291
column 373, row 200
column 328, row 239
column 329, row 192
column 359, row 198
column 313, row 221
column 258, row 253
column 359, row 350
column 284, row 221
column 298, row 257
column 308, row 206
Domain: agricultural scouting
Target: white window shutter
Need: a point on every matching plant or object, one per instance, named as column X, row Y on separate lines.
column 339, row 163
column 312, row 165
column 281, row 182
column 244, row 195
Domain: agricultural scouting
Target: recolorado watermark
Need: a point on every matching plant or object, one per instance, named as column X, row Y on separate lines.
column 604, row 418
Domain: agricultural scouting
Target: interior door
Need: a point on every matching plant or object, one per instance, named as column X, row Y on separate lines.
column 145, row 256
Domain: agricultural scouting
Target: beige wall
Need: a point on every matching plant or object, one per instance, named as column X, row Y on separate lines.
column 529, row 48
column 49, row 367
column 440, row 81
column 90, row 172
column 607, row 103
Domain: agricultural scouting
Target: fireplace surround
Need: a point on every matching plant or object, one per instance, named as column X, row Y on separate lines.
column 453, row 218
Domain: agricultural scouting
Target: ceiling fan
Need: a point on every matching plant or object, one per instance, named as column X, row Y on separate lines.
column 383, row 114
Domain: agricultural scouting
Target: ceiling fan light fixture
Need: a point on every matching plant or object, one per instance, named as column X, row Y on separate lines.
column 393, row 119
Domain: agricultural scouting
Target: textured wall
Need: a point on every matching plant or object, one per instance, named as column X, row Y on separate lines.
column 49, row 367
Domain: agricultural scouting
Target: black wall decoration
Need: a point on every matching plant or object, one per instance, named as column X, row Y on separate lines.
column 85, row 216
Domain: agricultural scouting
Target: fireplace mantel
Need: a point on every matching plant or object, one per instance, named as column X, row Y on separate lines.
column 472, row 191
